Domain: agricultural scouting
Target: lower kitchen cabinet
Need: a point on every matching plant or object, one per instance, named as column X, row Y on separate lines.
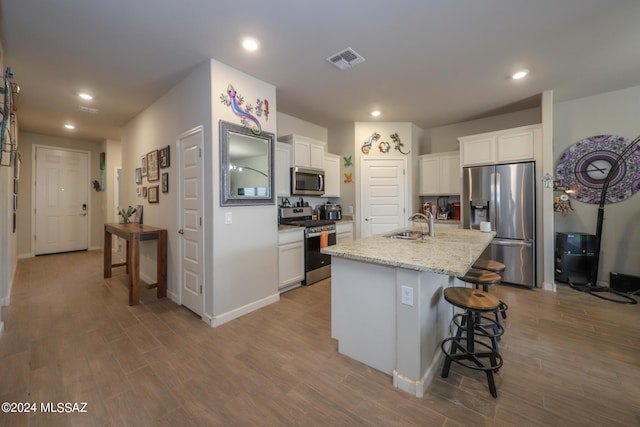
column 344, row 232
column 290, row 259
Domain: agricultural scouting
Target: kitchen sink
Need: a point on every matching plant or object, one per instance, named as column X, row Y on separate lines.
column 407, row 235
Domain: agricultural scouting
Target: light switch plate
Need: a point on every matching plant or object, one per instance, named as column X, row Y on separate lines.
column 407, row 295
column 228, row 218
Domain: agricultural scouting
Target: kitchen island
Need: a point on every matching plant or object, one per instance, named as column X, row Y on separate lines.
column 387, row 308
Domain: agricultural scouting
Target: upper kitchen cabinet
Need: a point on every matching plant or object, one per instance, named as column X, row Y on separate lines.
column 440, row 174
column 283, row 170
column 505, row 146
column 307, row 152
column 331, row 175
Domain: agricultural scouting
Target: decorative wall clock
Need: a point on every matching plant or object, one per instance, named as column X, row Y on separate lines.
column 584, row 167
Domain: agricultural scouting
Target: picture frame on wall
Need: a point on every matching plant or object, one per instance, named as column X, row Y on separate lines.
column 153, row 173
column 144, row 192
column 143, row 165
column 138, row 175
column 165, row 157
column 165, row 182
column 153, row 194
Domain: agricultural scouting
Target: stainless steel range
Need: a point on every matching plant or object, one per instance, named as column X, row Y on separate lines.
column 317, row 235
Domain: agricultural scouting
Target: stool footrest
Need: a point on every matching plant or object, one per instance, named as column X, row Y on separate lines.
column 495, row 359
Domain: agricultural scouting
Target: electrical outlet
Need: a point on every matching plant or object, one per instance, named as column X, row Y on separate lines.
column 228, row 218
column 407, row 295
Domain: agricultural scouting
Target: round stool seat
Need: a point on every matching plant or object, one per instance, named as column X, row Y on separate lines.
column 471, row 299
column 491, row 265
column 482, row 278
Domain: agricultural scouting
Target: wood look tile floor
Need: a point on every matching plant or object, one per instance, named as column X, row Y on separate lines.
column 569, row 360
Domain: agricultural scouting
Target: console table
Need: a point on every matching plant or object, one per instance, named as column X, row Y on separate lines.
column 134, row 234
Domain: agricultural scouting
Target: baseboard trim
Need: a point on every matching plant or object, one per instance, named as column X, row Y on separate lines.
column 215, row 321
column 549, row 287
column 417, row 387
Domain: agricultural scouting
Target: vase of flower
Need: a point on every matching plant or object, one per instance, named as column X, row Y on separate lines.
column 126, row 214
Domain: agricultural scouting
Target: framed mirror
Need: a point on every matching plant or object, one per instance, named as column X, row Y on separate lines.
column 246, row 166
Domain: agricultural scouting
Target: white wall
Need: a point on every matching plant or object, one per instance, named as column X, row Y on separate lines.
column 445, row 138
column 406, row 132
column 614, row 113
column 241, row 258
column 8, row 243
column 245, row 253
column 182, row 108
column 288, row 125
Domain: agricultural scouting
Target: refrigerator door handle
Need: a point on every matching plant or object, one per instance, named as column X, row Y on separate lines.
column 497, row 201
column 492, row 202
column 507, row 242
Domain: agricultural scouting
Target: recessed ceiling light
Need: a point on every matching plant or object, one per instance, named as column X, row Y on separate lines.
column 250, row 44
column 69, row 126
column 520, row 74
column 85, row 96
column 375, row 113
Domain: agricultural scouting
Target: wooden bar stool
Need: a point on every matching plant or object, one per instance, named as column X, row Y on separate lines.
column 483, row 279
column 466, row 347
column 491, row 265
column 495, row 267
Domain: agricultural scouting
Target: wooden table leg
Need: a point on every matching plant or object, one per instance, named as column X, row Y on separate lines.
column 107, row 254
column 134, row 270
column 161, row 262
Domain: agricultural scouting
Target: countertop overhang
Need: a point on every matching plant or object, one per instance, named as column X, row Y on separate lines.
column 451, row 251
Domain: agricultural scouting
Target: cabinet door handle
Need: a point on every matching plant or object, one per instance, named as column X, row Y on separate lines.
column 181, row 231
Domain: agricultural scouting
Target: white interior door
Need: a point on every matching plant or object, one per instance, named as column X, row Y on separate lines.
column 190, row 227
column 62, row 200
column 382, row 195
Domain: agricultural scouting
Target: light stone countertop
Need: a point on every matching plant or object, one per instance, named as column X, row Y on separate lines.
column 451, row 251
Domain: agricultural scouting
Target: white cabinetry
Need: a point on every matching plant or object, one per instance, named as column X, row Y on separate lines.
column 505, row 146
column 307, row 152
column 440, row 174
column 290, row 259
column 283, row 170
column 344, row 232
column 331, row 175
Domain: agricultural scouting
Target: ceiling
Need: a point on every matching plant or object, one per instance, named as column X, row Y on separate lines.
column 430, row 62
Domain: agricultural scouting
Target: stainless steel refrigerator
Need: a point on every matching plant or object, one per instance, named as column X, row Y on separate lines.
column 504, row 195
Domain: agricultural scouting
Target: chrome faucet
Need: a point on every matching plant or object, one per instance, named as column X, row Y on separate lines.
column 421, row 219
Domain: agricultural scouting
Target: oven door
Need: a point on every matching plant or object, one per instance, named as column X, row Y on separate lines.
column 313, row 258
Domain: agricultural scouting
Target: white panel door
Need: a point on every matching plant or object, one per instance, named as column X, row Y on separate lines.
column 382, row 195
column 62, row 200
column 191, row 231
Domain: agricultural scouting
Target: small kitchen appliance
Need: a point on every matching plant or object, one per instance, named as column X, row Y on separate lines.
column 317, row 234
column 331, row 212
column 443, row 208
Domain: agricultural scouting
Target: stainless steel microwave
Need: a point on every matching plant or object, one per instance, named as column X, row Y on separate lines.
column 307, row 182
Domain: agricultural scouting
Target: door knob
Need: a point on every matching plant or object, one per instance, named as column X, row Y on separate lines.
column 181, row 231
column 368, row 218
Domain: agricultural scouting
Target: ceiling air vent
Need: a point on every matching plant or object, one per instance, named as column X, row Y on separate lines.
column 87, row 109
column 345, row 59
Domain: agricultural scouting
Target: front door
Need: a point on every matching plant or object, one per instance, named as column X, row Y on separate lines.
column 62, row 200
column 382, row 195
column 190, row 211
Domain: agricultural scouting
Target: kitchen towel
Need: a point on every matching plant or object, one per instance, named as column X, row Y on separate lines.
column 324, row 239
